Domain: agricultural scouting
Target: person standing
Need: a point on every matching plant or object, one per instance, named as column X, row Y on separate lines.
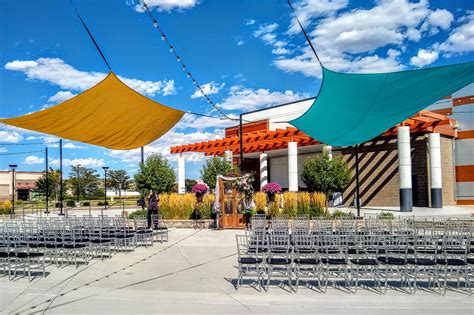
column 152, row 207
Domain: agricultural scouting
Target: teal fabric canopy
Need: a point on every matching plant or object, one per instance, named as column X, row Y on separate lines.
column 353, row 108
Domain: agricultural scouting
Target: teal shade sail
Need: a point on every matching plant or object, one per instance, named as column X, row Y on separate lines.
column 353, row 108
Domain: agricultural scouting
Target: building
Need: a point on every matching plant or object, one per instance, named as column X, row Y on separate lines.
column 275, row 151
column 25, row 182
column 460, row 106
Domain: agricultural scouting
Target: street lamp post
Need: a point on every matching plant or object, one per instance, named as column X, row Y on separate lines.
column 13, row 167
column 105, row 168
column 77, row 182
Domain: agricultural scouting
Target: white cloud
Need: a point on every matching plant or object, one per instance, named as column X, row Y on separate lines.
column 86, row 162
column 201, row 122
column 346, row 41
column 440, row 18
column 61, row 96
column 70, row 145
column 461, row 39
column 167, row 5
column 3, row 150
column 10, row 136
column 240, row 42
column 265, row 29
column 364, row 30
column 424, row 58
column 241, row 98
column 162, row 145
column 250, row 22
column 309, row 9
column 208, row 89
column 56, row 71
column 265, row 33
column 33, row 159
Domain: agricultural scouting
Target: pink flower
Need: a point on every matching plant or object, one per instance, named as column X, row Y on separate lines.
column 272, row 188
column 200, row 188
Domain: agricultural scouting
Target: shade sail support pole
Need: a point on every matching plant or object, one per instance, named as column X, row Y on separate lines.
column 47, row 180
column 241, row 144
column 357, row 180
column 61, row 177
column 142, row 155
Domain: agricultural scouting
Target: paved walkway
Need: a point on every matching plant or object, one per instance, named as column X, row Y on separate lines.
column 195, row 273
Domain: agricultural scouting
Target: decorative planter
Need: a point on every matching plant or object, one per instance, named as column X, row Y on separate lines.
column 199, row 196
column 247, row 216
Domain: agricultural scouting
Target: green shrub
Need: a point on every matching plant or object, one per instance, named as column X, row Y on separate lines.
column 86, row 204
column 137, row 213
column 341, row 214
column 101, row 203
column 70, row 203
column 386, row 216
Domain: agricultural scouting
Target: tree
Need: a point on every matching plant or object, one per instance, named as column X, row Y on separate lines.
column 189, row 183
column 155, row 174
column 88, row 181
column 213, row 167
column 53, row 184
column 118, row 180
column 320, row 173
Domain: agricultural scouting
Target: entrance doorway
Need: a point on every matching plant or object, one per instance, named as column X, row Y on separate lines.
column 230, row 206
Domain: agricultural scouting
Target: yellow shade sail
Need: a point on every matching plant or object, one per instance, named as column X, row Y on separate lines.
column 110, row 114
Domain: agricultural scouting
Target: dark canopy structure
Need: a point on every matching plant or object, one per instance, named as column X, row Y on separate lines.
column 353, row 108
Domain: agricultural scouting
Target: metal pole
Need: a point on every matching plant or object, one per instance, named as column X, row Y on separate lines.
column 105, row 189
column 47, row 181
column 241, row 143
column 77, row 183
column 142, row 153
column 357, row 180
column 13, row 194
column 61, row 177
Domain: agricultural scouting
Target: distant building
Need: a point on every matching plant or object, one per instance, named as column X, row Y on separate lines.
column 25, row 182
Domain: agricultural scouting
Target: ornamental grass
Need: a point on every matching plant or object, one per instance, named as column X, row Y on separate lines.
column 318, row 204
column 290, row 204
column 304, row 203
column 260, row 199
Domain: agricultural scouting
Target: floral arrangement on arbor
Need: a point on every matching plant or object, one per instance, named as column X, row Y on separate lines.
column 200, row 189
column 245, row 185
column 272, row 188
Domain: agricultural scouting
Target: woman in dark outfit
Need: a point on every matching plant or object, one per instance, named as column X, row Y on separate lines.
column 152, row 207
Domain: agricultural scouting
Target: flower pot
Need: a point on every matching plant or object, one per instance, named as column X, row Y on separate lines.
column 199, row 196
column 271, row 196
column 246, row 218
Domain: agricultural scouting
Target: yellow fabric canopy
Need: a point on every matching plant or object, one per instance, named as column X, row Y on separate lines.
column 110, row 114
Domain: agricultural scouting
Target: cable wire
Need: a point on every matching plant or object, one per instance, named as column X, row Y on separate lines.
column 90, row 35
column 305, row 34
column 19, row 153
column 183, row 66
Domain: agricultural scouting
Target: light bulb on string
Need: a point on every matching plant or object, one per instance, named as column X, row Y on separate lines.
column 155, row 24
column 188, row 75
column 163, row 37
column 178, row 59
column 171, row 49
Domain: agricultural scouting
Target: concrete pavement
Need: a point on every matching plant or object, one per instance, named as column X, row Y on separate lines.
column 195, row 273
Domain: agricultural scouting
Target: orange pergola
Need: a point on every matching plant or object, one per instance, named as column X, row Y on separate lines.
column 267, row 140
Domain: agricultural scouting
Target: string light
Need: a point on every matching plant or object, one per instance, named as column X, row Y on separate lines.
column 183, row 66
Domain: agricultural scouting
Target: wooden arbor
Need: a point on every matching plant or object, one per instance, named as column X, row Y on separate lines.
column 266, row 140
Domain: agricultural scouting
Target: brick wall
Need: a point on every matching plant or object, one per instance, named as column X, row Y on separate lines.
column 378, row 167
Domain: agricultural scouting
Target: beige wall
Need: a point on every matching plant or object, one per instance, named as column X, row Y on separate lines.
column 6, row 181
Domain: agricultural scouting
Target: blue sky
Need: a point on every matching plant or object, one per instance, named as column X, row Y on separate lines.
column 248, row 54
